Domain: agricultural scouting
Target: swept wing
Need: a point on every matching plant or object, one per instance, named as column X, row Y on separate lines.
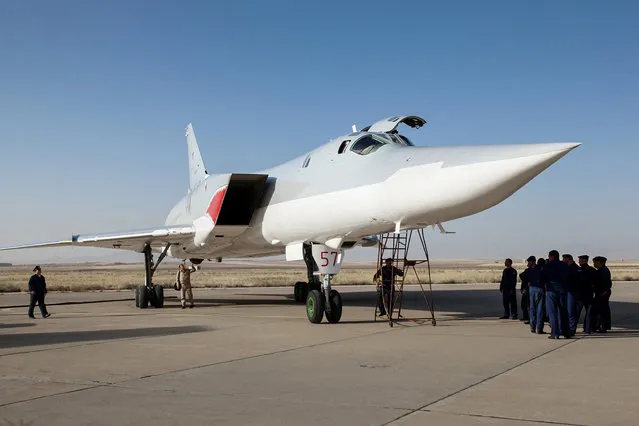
column 128, row 240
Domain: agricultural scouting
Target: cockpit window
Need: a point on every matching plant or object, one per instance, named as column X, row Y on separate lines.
column 366, row 145
column 400, row 139
column 343, row 146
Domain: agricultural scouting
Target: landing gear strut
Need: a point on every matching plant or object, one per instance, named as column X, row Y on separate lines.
column 317, row 294
column 302, row 289
column 150, row 294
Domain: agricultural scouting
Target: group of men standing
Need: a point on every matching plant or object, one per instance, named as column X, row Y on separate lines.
column 557, row 291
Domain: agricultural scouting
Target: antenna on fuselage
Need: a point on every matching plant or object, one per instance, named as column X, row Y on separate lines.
column 354, row 129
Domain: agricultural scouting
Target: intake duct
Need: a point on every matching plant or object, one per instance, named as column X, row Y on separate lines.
column 243, row 196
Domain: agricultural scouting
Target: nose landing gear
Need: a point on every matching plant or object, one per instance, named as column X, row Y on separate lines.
column 321, row 261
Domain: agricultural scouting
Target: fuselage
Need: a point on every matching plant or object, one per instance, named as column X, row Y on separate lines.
column 364, row 184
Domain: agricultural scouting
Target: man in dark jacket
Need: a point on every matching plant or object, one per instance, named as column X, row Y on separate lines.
column 508, row 288
column 541, row 262
column 386, row 292
column 603, row 290
column 555, row 277
column 586, row 278
column 37, row 290
column 572, row 293
column 525, row 292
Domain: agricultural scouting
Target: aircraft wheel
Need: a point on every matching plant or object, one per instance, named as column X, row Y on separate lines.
column 314, row 307
column 137, row 296
column 336, row 307
column 315, row 286
column 298, row 292
column 143, row 296
column 159, row 295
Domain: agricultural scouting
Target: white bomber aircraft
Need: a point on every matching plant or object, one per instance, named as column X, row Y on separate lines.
column 322, row 203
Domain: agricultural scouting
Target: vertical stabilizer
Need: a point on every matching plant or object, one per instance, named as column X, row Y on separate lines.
column 197, row 171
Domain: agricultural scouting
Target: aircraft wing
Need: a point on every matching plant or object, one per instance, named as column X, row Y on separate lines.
column 128, row 240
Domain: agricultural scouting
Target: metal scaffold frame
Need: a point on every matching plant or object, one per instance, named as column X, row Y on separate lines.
column 396, row 245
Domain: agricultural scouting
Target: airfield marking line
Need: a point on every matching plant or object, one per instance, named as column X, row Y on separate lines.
column 484, row 416
column 484, row 380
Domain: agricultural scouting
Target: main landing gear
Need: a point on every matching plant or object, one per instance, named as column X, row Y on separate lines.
column 316, row 293
column 150, row 294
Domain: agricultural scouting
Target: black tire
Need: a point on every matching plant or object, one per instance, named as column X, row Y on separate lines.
column 159, row 295
column 336, row 307
column 315, row 306
column 143, row 296
column 315, row 285
column 137, row 296
column 304, row 292
column 297, row 292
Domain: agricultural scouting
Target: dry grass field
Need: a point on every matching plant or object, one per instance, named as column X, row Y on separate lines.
column 86, row 277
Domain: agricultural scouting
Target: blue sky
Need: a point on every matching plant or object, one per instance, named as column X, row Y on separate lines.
column 95, row 96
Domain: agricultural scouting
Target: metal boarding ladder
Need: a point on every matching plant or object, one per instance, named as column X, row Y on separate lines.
column 396, row 246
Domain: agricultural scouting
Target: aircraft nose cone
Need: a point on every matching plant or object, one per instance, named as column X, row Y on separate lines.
column 459, row 181
column 495, row 173
column 459, row 156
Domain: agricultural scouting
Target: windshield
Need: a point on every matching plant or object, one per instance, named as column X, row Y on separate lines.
column 367, row 144
column 402, row 140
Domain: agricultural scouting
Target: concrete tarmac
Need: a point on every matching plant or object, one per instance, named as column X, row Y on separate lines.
column 250, row 356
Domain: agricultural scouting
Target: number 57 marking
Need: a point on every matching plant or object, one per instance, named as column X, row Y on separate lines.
column 325, row 260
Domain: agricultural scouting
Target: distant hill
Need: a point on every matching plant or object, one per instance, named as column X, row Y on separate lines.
column 5, row 264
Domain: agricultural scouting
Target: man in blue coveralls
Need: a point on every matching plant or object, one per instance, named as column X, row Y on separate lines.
column 531, row 279
column 555, row 277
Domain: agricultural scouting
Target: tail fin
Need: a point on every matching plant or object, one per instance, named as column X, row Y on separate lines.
column 197, row 170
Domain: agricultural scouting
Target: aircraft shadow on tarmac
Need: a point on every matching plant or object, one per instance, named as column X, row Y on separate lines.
column 18, row 325
column 55, row 338
column 462, row 304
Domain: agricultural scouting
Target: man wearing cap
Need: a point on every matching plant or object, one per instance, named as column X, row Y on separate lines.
column 387, row 290
column 508, row 289
column 586, row 291
column 531, row 278
column 37, row 290
column 572, row 293
column 555, row 277
column 603, row 290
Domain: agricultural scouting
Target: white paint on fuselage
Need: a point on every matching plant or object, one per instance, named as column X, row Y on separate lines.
column 416, row 196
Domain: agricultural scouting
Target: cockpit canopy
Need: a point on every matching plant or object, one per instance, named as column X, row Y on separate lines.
column 371, row 142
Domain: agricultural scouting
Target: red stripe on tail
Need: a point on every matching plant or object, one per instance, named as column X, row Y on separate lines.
column 216, row 204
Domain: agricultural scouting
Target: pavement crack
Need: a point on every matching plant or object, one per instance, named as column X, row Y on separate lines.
column 115, row 384
column 282, row 351
column 484, row 380
column 51, row 395
column 484, row 416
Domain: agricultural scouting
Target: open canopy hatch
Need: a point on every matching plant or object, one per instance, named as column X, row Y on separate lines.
column 390, row 124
